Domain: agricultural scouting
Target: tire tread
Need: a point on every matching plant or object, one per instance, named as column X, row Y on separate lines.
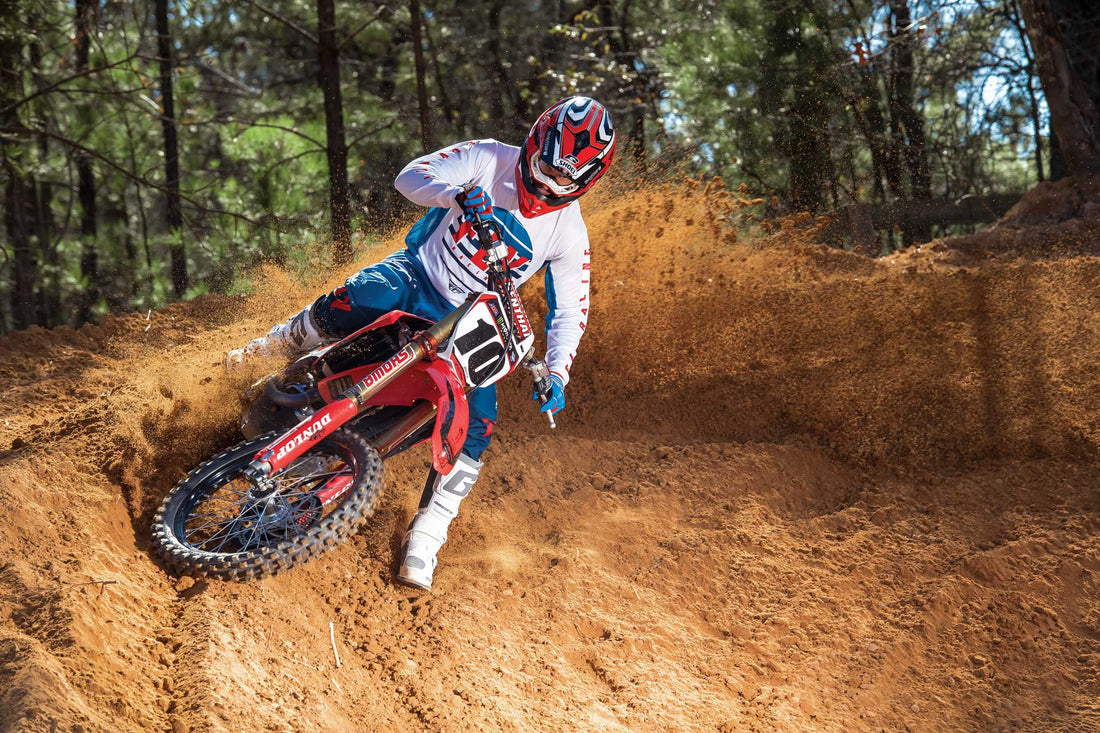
column 355, row 508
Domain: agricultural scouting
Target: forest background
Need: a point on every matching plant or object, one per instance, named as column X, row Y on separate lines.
column 155, row 150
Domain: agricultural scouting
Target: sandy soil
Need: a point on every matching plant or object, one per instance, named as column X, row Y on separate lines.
column 794, row 490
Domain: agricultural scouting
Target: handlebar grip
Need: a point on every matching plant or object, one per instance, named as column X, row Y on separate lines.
column 544, row 389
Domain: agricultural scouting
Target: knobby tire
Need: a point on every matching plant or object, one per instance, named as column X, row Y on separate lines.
column 352, row 509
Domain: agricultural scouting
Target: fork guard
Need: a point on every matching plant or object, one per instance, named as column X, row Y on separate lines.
column 434, row 381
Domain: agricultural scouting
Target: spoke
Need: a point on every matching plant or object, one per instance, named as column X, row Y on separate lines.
column 238, row 492
column 228, row 536
column 297, row 494
column 224, row 521
column 318, row 476
column 214, row 536
column 190, row 531
column 233, row 510
column 266, row 538
column 221, row 523
column 219, row 503
column 225, row 487
column 256, row 527
column 210, row 515
column 289, row 527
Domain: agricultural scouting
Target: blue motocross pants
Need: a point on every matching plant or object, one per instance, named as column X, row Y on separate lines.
column 400, row 283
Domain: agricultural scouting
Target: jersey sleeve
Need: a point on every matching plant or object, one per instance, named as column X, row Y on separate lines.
column 567, row 290
column 435, row 179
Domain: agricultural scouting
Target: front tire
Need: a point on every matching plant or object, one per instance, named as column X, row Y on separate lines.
column 212, row 525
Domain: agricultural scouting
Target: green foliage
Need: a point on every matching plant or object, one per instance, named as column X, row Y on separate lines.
column 783, row 95
column 772, row 94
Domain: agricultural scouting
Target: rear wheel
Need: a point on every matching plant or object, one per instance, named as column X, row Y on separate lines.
column 217, row 523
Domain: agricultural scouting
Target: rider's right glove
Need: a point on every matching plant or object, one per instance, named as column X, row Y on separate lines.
column 475, row 203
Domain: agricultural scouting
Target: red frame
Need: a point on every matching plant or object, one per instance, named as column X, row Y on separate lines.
column 425, row 380
column 434, row 379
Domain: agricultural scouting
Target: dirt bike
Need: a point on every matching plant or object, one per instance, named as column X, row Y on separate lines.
column 309, row 473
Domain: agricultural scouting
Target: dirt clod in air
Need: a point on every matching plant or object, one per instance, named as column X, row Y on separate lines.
column 793, row 489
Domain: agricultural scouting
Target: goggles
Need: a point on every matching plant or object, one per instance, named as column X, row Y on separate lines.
column 548, row 176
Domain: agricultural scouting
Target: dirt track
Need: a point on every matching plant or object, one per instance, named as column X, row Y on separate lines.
column 794, row 489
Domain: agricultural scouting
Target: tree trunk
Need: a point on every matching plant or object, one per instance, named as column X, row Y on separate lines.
column 641, row 82
column 18, row 182
column 49, row 295
column 636, row 140
column 1037, row 129
column 1074, row 117
column 1012, row 12
column 504, row 84
column 421, row 85
column 1058, row 168
column 48, row 305
column 171, row 152
column 805, row 150
column 907, row 121
column 87, row 12
column 18, row 226
column 448, row 108
column 19, row 231
column 329, row 81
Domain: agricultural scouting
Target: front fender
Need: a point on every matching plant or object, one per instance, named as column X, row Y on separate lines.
column 452, row 418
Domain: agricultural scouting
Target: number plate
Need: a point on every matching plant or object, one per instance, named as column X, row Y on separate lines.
column 481, row 346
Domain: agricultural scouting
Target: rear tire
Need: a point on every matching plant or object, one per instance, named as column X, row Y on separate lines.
column 208, row 526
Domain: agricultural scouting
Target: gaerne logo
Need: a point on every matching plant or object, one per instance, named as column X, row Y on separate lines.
column 303, row 436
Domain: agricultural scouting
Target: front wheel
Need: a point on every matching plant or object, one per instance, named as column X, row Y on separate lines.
column 216, row 523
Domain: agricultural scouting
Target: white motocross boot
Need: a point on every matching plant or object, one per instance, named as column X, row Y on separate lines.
column 299, row 334
column 428, row 529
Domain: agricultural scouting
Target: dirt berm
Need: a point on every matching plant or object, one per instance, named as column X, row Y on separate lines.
column 794, row 489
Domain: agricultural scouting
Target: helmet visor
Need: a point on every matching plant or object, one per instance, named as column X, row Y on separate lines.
column 547, row 175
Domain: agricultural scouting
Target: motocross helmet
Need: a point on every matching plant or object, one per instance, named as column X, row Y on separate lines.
column 569, row 147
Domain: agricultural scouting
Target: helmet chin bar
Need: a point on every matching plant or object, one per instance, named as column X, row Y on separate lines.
column 556, row 188
column 528, row 183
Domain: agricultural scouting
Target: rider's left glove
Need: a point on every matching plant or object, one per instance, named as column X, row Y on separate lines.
column 475, row 203
column 557, row 395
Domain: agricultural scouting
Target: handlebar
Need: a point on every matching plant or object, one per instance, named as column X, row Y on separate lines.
column 484, row 229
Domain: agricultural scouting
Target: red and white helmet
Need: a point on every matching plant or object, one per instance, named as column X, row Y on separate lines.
column 569, row 147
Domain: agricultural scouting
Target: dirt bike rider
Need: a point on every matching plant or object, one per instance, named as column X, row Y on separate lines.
column 531, row 192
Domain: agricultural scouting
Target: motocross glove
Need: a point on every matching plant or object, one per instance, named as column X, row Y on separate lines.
column 475, row 203
column 557, row 395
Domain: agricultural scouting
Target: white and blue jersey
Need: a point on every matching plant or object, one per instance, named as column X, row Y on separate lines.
column 446, row 246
